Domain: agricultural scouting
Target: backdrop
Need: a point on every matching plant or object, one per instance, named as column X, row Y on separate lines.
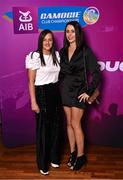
column 103, row 25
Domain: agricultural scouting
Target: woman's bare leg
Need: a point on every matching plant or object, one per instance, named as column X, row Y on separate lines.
column 70, row 131
column 76, row 116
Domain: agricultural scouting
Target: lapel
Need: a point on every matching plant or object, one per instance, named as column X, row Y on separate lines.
column 77, row 55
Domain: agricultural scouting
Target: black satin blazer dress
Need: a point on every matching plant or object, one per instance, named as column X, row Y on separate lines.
column 73, row 76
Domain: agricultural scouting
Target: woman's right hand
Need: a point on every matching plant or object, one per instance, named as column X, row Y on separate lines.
column 83, row 97
column 35, row 108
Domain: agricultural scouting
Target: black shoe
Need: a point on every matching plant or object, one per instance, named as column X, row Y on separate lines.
column 80, row 161
column 72, row 159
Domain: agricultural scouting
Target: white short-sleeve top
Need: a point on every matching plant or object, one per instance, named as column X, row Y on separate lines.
column 44, row 74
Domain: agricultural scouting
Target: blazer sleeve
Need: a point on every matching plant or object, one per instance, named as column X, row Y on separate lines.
column 93, row 68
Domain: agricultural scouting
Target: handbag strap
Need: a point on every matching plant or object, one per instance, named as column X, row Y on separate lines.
column 85, row 70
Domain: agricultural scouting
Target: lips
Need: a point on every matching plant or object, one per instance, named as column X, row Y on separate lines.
column 47, row 45
column 70, row 38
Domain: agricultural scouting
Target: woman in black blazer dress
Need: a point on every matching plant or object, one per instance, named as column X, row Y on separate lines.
column 74, row 90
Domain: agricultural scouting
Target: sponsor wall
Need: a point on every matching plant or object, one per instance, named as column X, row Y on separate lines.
column 21, row 25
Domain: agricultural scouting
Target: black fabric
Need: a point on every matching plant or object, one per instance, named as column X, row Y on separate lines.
column 72, row 76
column 48, row 125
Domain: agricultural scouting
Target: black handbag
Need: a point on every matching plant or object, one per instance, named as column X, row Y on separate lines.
column 96, row 93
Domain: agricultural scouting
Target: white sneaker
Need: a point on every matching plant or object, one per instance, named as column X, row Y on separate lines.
column 44, row 173
column 54, row 165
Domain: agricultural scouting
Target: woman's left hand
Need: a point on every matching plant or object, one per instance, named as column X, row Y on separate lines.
column 83, row 97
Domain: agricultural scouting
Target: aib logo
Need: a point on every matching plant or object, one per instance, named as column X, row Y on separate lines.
column 25, row 20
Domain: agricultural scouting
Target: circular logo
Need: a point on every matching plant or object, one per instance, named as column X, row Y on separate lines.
column 91, row 15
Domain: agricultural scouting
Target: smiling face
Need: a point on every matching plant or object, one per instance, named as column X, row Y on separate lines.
column 47, row 43
column 70, row 34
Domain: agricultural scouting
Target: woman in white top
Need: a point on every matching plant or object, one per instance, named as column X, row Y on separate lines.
column 43, row 71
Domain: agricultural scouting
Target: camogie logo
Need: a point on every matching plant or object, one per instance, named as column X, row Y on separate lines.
column 30, row 20
column 91, row 15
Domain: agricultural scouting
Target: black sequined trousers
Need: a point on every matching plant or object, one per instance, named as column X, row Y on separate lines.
column 48, row 126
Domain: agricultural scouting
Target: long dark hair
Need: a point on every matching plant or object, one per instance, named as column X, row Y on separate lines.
column 40, row 47
column 80, row 42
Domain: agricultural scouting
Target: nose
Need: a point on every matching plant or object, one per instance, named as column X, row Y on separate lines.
column 47, row 42
column 70, row 33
